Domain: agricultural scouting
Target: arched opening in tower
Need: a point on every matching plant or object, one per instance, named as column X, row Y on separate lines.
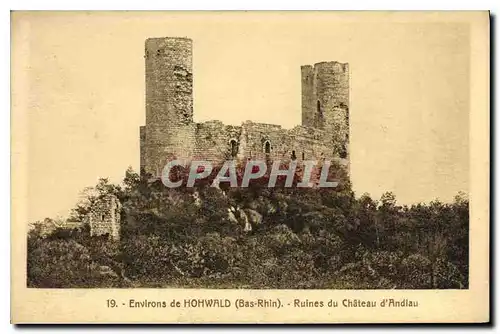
column 294, row 157
column 267, row 147
column 318, row 109
column 234, row 148
column 343, row 152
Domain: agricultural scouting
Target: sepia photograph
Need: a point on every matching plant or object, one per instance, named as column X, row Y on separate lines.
column 250, row 152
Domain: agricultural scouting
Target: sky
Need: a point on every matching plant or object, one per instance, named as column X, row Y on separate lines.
column 85, row 90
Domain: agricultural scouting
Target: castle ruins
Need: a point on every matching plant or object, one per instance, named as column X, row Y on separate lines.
column 170, row 132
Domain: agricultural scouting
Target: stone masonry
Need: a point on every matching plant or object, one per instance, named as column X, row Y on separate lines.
column 104, row 217
column 171, row 133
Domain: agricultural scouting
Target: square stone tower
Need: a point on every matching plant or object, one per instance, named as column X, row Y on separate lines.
column 104, row 217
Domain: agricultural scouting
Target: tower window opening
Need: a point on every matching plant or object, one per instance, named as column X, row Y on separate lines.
column 303, row 156
column 318, row 108
column 102, row 217
column 294, row 157
column 343, row 152
column 234, row 148
column 267, row 147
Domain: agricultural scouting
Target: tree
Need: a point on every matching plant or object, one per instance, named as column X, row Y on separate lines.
column 132, row 180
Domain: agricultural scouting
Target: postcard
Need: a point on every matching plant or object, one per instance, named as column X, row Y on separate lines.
column 250, row 167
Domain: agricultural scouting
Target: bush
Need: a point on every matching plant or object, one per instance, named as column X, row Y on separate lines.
column 66, row 264
column 309, row 238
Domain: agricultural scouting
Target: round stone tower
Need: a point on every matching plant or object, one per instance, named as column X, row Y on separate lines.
column 169, row 80
column 325, row 102
column 332, row 85
column 169, row 126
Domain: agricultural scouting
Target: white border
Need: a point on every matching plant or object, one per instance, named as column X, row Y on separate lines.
column 6, row 6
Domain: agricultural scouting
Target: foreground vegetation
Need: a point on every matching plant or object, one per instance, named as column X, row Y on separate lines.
column 308, row 238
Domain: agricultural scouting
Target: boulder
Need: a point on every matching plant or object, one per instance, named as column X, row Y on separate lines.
column 254, row 217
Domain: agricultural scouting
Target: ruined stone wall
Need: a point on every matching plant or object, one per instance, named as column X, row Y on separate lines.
column 212, row 142
column 216, row 142
column 170, row 132
column 234, row 134
column 104, row 217
column 254, row 138
column 309, row 143
column 300, row 143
